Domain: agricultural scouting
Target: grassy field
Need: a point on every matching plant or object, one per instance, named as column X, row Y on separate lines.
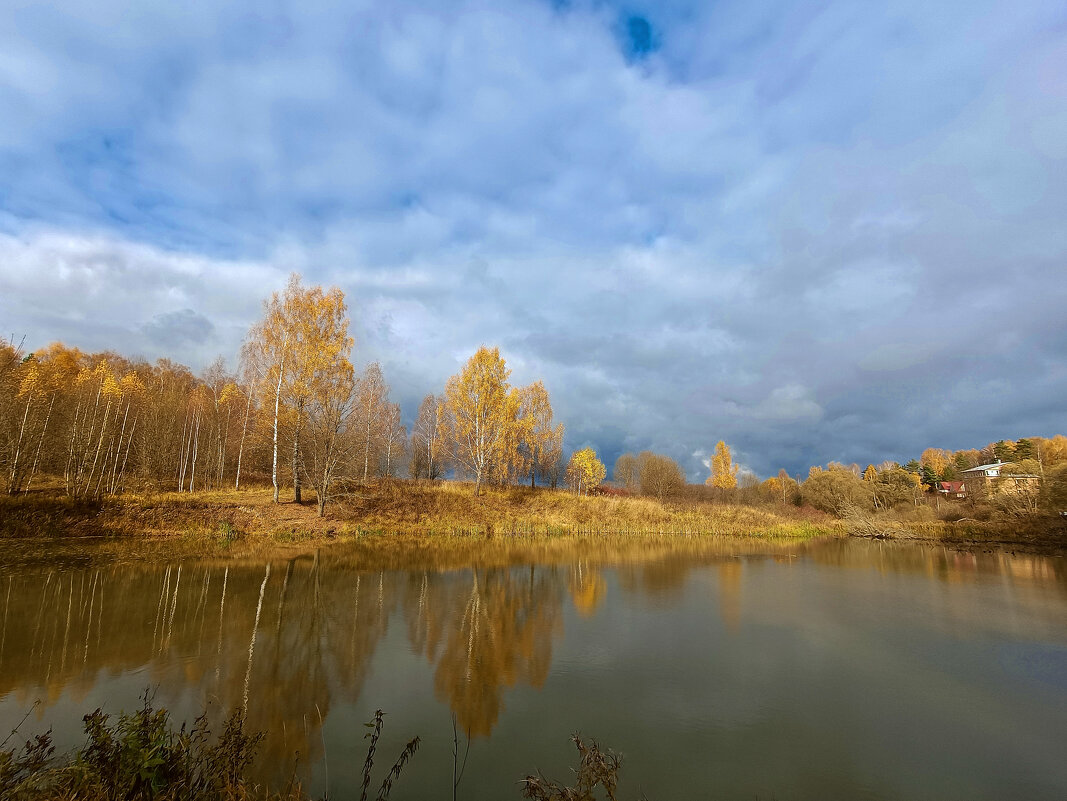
column 247, row 522
column 448, row 510
column 1042, row 534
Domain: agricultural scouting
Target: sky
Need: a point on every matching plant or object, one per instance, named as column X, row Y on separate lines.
column 818, row 231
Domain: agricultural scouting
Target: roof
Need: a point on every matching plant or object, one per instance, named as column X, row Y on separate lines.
column 1003, row 466
column 952, row 486
column 984, row 467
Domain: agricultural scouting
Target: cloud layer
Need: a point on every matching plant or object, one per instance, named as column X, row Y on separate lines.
column 830, row 232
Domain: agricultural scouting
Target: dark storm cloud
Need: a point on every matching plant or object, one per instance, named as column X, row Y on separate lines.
column 830, row 232
column 179, row 330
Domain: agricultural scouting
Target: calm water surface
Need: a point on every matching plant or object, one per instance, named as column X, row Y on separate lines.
column 827, row 670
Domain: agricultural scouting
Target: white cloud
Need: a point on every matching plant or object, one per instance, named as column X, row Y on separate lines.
column 736, row 238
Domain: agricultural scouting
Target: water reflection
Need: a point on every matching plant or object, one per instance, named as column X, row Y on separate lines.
column 289, row 640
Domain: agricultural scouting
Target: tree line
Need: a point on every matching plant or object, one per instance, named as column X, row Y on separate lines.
column 839, row 488
column 296, row 409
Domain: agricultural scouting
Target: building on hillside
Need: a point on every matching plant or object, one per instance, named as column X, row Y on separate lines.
column 998, row 477
column 952, row 489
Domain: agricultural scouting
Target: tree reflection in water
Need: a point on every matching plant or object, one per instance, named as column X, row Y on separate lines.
column 291, row 639
column 285, row 641
column 503, row 637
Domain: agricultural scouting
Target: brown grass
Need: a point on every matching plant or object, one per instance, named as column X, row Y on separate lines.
column 1039, row 534
column 207, row 522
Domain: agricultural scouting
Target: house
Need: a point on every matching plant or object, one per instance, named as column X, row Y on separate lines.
column 998, row 476
column 952, row 489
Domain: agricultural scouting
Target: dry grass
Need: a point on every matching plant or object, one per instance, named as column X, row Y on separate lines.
column 452, row 509
column 242, row 522
column 1039, row 534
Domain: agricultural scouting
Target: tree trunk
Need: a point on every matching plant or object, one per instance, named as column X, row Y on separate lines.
column 296, row 463
column 122, row 471
column 196, row 449
column 366, row 454
column 182, row 457
column 118, row 450
column 68, row 473
column 277, row 404
column 244, row 432
column 99, row 444
column 225, row 445
column 40, row 442
column 13, row 487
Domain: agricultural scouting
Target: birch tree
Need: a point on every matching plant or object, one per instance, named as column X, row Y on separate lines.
column 429, row 438
column 585, row 471
column 303, row 331
column 329, row 411
column 393, row 441
column 478, row 406
column 723, row 470
column 537, row 434
column 372, row 408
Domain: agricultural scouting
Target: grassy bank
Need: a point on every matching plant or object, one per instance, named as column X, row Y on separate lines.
column 410, row 509
column 247, row 522
column 1037, row 534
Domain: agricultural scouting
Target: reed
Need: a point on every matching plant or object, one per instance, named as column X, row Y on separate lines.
column 237, row 521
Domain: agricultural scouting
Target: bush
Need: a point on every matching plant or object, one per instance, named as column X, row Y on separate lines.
column 1054, row 490
column 595, row 768
column 836, row 490
column 141, row 757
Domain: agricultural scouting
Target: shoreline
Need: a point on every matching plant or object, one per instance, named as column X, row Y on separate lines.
column 233, row 524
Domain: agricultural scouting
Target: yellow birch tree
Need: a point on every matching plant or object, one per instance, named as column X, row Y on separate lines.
column 303, row 334
column 585, row 471
column 537, row 434
column 478, row 404
column 723, row 470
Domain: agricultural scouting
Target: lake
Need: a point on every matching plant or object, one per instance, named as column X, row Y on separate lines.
column 718, row 669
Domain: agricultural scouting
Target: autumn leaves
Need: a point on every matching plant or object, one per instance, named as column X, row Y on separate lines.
column 723, row 470
column 299, row 355
column 585, row 471
column 500, row 433
column 297, row 411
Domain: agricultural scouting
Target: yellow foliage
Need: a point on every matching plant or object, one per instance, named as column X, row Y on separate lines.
column 585, row 471
column 1053, row 451
column 230, row 394
column 131, row 386
column 771, row 487
column 937, row 459
column 723, row 470
column 482, row 411
column 32, row 380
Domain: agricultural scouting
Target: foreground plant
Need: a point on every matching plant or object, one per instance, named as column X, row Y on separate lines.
column 139, row 756
column 142, row 757
column 596, row 768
